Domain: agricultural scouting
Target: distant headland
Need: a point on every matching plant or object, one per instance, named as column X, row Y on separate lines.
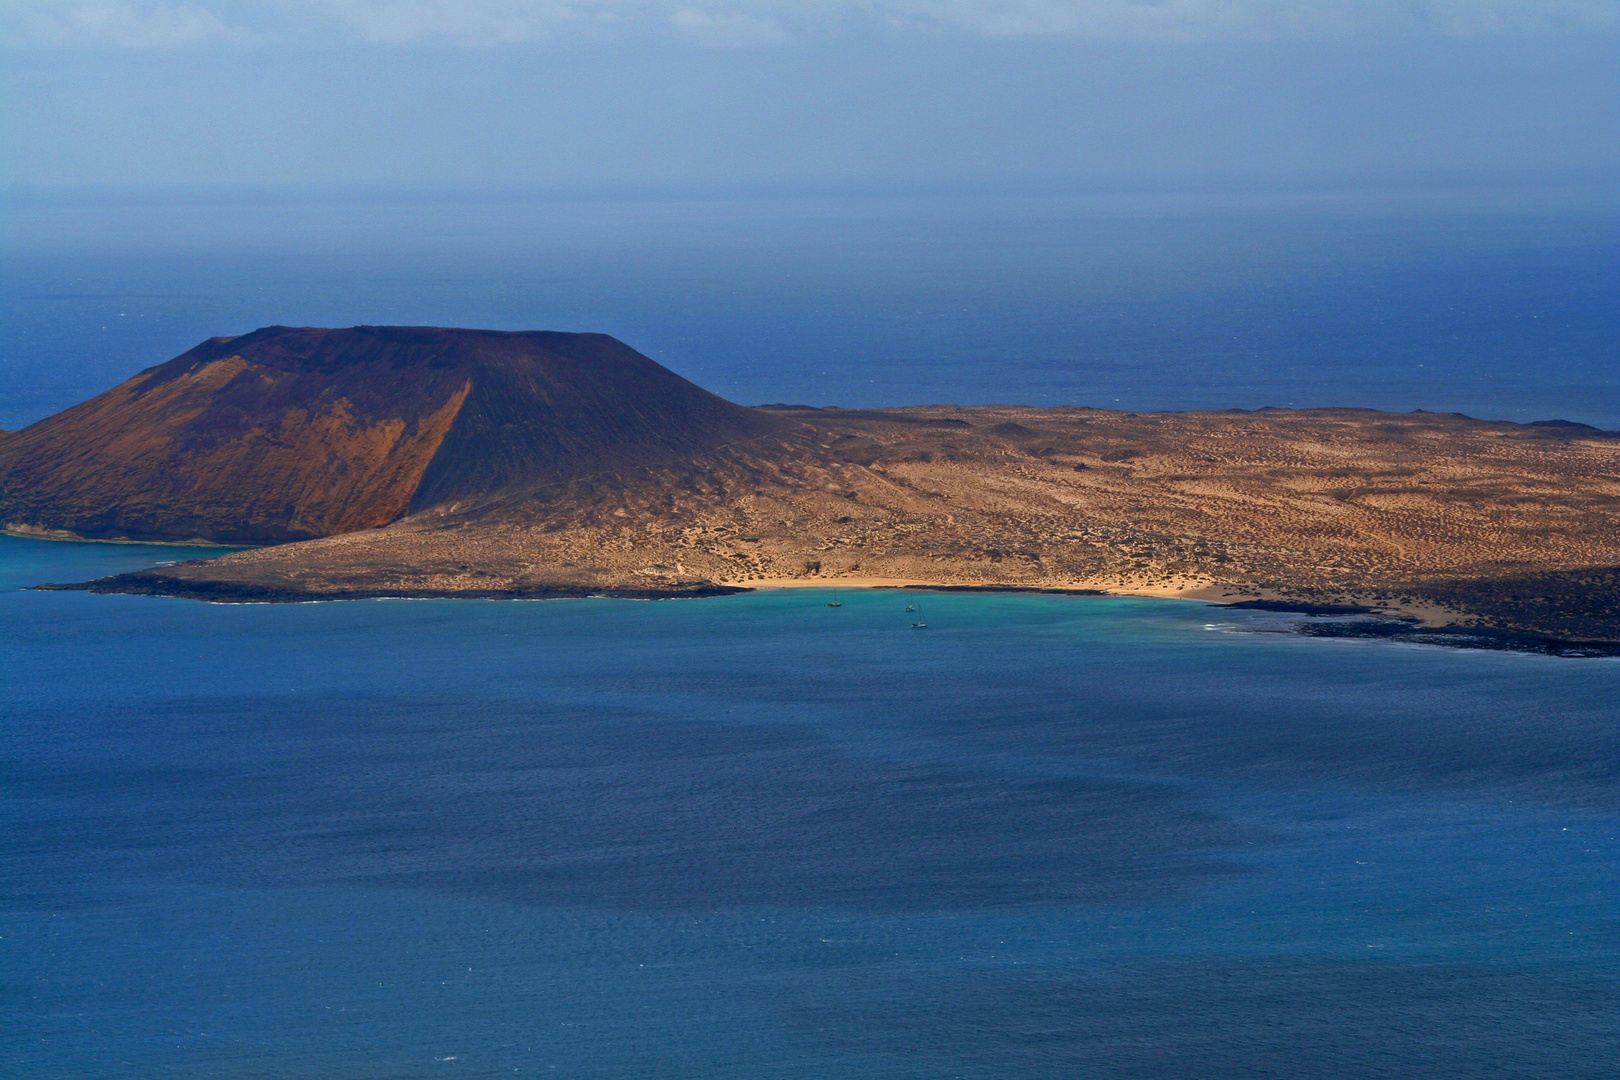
column 420, row 461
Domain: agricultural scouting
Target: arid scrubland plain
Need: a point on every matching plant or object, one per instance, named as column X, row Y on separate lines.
column 385, row 461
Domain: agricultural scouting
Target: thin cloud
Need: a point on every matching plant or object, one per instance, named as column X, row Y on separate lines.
column 141, row 24
column 1225, row 20
column 726, row 29
column 461, row 22
column 114, row 24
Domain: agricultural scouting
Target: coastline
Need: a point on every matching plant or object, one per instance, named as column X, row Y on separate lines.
column 154, row 582
column 1078, row 588
column 68, row 536
column 150, row 583
column 1403, row 625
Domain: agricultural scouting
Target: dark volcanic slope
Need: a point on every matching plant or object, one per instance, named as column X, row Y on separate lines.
column 291, row 433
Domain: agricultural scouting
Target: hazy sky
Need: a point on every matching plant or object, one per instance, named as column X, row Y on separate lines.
column 643, row 93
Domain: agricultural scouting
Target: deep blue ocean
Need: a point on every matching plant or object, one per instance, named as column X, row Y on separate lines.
column 1047, row 836
column 1054, row 837
column 1431, row 300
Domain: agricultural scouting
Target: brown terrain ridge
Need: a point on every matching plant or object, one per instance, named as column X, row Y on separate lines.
column 1438, row 518
column 294, row 433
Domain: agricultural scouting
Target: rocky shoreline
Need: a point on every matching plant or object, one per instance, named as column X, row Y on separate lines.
column 1339, row 621
column 153, row 583
column 1458, row 637
column 1353, row 621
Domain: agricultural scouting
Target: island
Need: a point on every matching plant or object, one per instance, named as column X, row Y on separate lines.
column 430, row 462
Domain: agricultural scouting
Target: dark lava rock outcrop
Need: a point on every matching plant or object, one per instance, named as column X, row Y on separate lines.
column 292, row 433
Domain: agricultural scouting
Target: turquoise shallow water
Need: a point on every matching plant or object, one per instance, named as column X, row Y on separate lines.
column 758, row 837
